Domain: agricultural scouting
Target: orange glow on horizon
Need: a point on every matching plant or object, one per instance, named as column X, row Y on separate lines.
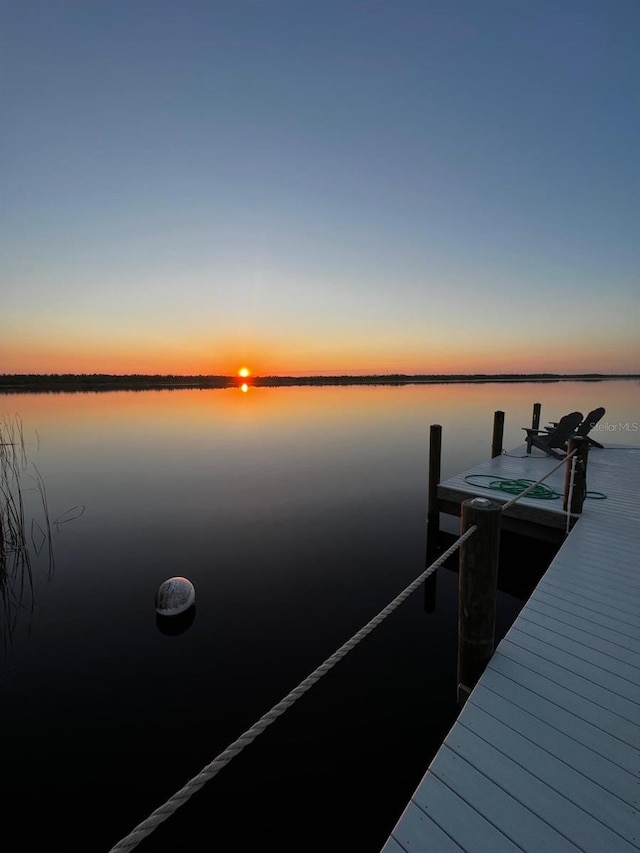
column 44, row 355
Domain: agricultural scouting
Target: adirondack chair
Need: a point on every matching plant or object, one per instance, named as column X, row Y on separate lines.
column 587, row 425
column 555, row 438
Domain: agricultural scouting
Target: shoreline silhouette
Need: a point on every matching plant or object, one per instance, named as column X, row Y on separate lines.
column 67, row 382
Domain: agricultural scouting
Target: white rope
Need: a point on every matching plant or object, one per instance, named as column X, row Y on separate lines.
column 537, row 482
column 180, row 797
column 573, row 471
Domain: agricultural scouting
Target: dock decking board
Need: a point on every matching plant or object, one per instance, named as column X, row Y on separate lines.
column 610, row 632
column 562, row 743
column 595, row 639
column 598, row 675
column 582, row 651
column 419, row 832
column 568, row 689
column 545, row 753
column 591, row 600
column 571, row 820
column 592, row 609
column 568, row 605
column 516, row 821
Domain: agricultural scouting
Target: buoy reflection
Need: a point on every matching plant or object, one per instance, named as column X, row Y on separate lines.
column 174, row 625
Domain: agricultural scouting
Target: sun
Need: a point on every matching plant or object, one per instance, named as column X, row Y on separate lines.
column 244, row 372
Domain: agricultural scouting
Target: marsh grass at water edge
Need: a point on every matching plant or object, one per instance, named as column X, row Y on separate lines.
column 25, row 530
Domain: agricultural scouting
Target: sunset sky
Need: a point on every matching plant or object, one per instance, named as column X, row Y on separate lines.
column 314, row 186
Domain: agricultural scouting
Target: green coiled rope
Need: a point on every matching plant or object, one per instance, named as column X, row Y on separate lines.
column 514, row 487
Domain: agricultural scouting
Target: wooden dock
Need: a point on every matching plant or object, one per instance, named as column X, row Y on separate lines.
column 545, row 754
column 541, row 519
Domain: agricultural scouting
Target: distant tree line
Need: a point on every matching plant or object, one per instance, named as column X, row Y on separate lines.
column 67, row 382
column 53, row 382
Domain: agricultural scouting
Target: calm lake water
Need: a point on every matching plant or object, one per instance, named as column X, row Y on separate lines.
column 298, row 514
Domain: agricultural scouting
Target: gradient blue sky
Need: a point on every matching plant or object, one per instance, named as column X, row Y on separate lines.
column 320, row 186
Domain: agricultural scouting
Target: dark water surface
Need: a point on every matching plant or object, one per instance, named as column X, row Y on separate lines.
column 298, row 514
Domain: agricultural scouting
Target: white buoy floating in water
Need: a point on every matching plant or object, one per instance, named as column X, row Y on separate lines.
column 175, row 596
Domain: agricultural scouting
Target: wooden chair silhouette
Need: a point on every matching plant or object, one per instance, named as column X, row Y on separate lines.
column 556, row 437
column 587, row 425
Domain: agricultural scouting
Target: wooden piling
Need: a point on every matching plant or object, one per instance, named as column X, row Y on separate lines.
column 435, row 454
column 498, row 432
column 535, row 419
column 477, row 588
column 577, row 493
column 535, row 423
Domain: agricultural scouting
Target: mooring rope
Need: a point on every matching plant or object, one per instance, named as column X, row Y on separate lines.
column 180, row 797
column 570, row 495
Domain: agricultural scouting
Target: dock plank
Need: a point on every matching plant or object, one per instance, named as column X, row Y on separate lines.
column 610, row 663
column 564, row 604
column 598, row 675
column 566, row 689
column 525, row 829
column 617, row 573
column 602, row 593
column 573, row 602
column 568, row 746
column 563, row 709
column 466, row 826
column 609, row 810
column 392, row 846
column 538, row 610
column 610, row 645
column 571, row 821
column 416, row 830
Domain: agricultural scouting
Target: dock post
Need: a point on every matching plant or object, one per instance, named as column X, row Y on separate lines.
column 498, row 432
column 535, row 419
column 535, row 423
column 477, row 590
column 433, row 515
column 435, row 454
column 579, row 476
